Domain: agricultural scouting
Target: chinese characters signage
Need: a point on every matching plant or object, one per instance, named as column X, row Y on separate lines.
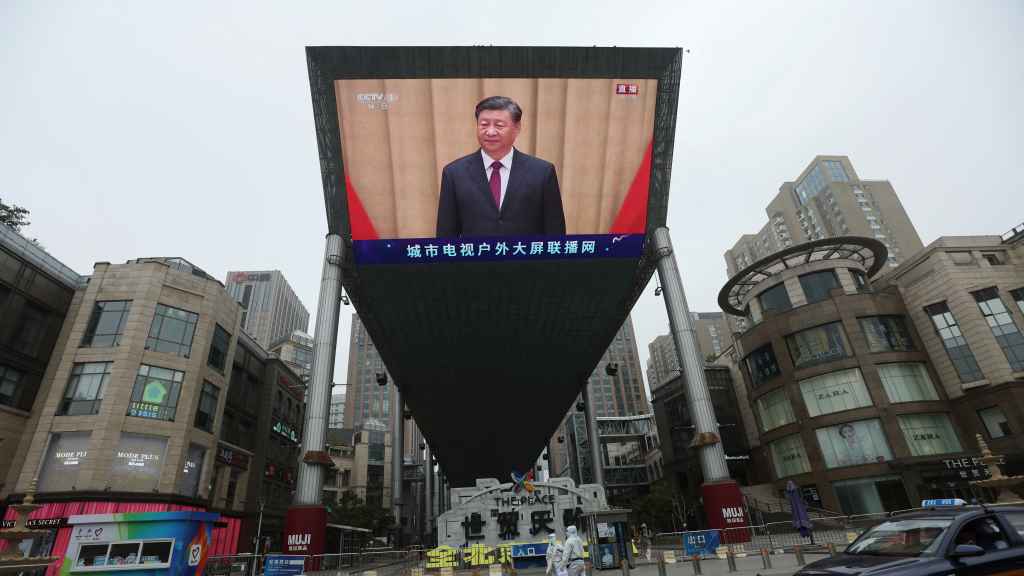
column 410, row 251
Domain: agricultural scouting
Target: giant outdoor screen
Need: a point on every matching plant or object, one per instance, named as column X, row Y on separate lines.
column 492, row 291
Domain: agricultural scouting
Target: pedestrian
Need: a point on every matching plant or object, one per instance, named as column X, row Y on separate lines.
column 572, row 552
column 554, row 556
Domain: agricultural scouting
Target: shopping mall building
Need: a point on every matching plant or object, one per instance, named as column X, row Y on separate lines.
column 867, row 389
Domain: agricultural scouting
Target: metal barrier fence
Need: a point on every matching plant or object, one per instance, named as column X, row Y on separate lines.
column 383, row 563
column 838, row 531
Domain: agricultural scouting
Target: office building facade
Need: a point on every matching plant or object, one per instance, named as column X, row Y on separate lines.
column 271, row 310
column 36, row 291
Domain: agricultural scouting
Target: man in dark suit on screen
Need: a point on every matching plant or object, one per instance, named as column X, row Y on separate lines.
column 498, row 190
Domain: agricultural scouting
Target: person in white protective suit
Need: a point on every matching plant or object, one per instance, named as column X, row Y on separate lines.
column 572, row 552
column 554, row 556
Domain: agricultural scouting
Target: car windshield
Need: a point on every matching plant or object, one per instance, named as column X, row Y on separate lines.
column 910, row 537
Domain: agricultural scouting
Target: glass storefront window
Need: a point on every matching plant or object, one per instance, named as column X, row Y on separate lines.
column 1003, row 327
column 774, row 299
column 762, row 365
column 953, row 340
column 928, row 434
column 84, row 392
column 789, row 456
column 106, row 323
column 906, row 382
column 138, row 462
column 872, row 495
column 815, row 345
column 995, row 422
column 817, row 285
column 853, row 443
column 775, row 410
column 172, row 331
column 155, row 394
column 886, row 334
column 192, row 471
column 66, row 454
column 835, row 392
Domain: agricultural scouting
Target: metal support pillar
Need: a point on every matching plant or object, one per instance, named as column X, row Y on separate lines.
column 428, row 494
column 325, row 345
column 397, row 455
column 712, row 456
column 593, row 437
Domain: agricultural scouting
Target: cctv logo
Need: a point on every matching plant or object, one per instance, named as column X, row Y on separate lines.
column 377, row 100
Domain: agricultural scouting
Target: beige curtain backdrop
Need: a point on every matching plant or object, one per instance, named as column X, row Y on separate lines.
column 397, row 136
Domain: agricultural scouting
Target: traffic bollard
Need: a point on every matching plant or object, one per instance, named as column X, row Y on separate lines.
column 696, row 565
column 799, row 551
column 766, row 557
column 661, row 564
column 730, row 559
column 831, row 549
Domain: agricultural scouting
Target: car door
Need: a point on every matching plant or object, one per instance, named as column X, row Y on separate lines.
column 1002, row 550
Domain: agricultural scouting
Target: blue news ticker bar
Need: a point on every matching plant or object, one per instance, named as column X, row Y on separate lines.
column 496, row 249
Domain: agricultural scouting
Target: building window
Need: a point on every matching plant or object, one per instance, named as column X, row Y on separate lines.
column 835, row 171
column 774, row 300
column 817, row 285
column 155, row 394
column 815, row 345
column 789, row 456
column 172, row 331
column 907, row 382
column 995, row 422
column 860, row 280
column 929, row 434
column 30, row 331
column 106, row 323
column 192, row 471
column 956, row 346
column 872, row 495
column 138, row 462
column 65, row 456
column 218, row 356
column 1002, row 325
column 207, row 411
column 994, row 258
column 10, row 386
column 886, row 334
column 775, row 410
column 85, row 389
column 1018, row 297
column 835, row 392
column 762, row 365
column 853, row 443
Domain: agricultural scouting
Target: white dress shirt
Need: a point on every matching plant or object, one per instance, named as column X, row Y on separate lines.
column 506, row 169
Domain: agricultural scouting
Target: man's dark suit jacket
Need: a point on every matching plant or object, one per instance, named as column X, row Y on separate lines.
column 532, row 205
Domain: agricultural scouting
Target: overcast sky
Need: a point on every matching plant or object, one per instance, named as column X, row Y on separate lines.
column 134, row 129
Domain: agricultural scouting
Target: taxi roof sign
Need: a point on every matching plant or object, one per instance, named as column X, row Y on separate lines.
column 942, row 502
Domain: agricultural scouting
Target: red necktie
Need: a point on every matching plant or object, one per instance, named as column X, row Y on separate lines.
column 496, row 183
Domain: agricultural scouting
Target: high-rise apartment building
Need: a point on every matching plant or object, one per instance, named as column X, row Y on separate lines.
column 612, row 395
column 336, row 418
column 714, row 336
column 827, row 200
column 368, row 413
column 295, row 350
column 270, row 309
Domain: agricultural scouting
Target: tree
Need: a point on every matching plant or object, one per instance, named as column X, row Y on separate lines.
column 13, row 216
column 351, row 511
column 655, row 508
